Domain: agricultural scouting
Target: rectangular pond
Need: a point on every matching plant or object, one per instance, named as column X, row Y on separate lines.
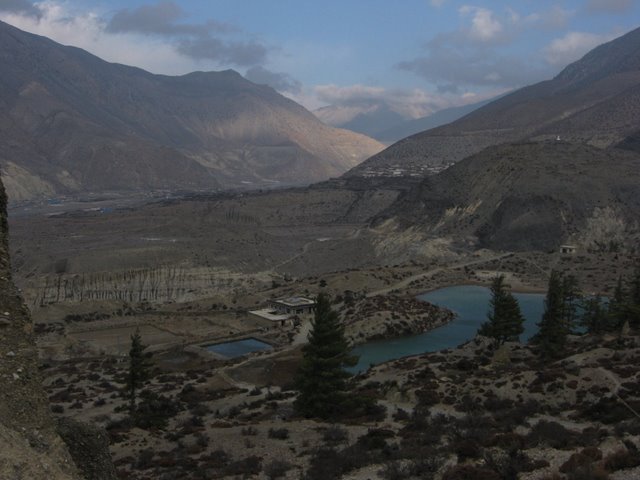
column 238, row 348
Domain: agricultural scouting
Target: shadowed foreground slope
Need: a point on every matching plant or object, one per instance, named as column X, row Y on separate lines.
column 30, row 447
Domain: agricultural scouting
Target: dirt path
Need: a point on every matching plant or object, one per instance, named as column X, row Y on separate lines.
column 429, row 273
column 305, row 248
column 227, row 378
column 303, row 333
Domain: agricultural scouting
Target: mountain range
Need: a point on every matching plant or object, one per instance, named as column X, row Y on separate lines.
column 71, row 122
column 556, row 162
column 380, row 121
column 595, row 101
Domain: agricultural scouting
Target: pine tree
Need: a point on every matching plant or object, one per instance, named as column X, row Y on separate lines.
column 618, row 306
column 322, row 380
column 634, row 298
column 553, row 327
column 504, row 320
column 571, row 299
column 138, row 369
column 595, row 318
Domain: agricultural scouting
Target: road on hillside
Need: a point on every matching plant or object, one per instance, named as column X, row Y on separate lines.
column 429, row 273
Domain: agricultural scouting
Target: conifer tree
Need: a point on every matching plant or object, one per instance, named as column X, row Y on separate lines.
column 634, row 298
column 504, row 320
column 553, row 327
column 595, row 318
column 138, row 369
column 322, row 380
column 571, row 300
column 618, row 306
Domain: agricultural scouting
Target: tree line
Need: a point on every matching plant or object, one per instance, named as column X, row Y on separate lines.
column 566, row 311
column 323, row 383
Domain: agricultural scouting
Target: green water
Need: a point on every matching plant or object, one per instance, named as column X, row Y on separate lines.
column 470, row 303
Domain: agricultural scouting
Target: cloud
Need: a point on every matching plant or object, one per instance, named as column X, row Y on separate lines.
column 479, row 53
column 199, row 41
column 553, row 19
column 150, row 37
column 236, row 53
column 484, row 26
column 162, row 19
column 437, row 3
column 452, row 63
column 283, row 82
column 410, row 103
column 24, row 7
column 609, row 6
column 572, row 46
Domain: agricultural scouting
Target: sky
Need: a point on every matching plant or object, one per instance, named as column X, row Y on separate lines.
column 414, row 56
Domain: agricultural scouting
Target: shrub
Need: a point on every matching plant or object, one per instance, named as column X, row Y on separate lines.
column 154, row 411
column 576, row 460
column 621, row 460
column 467, row 448
column 279, row 433
column 250, row 430
column 144, row 460
column 374, row 439
column 395, row 471
column 470, row 472
column 247, row 466
column 277, row 468
column 588, row 472
column 552, row 434
column 325, row 464
column 335, row 434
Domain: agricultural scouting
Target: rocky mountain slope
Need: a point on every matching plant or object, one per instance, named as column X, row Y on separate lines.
column 29, row 446
column 32, row 445
column 529, row 196
column 593, row 101
column 436, row 119
column 71, row 122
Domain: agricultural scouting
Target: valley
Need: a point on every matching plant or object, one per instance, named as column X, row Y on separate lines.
column 187, row 271
column 178, row 252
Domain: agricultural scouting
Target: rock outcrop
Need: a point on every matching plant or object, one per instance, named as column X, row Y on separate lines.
column 528, row 196
column 30, row 447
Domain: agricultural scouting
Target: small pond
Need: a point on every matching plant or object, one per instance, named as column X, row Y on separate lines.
column 470, row 303
column 237, row 348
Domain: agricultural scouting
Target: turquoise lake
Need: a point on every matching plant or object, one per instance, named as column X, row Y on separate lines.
column 470, row 303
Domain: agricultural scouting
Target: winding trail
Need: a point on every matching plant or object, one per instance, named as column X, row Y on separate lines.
column 354, row 234
column 429, row 273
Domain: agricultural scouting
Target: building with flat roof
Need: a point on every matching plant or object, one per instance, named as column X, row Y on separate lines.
column 293, row 305
column 284, row 311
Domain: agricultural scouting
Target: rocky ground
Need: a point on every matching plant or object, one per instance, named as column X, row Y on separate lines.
column 449, row 414
column 470, row 412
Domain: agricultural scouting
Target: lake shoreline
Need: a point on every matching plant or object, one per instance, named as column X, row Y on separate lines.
column 469, row 303
column 520, row 289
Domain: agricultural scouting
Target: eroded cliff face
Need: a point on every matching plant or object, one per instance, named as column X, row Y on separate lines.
column 30, row 448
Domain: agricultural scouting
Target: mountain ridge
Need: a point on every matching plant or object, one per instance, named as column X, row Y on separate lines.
column 74, row 119
column 528, row 196
column 565, row 106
